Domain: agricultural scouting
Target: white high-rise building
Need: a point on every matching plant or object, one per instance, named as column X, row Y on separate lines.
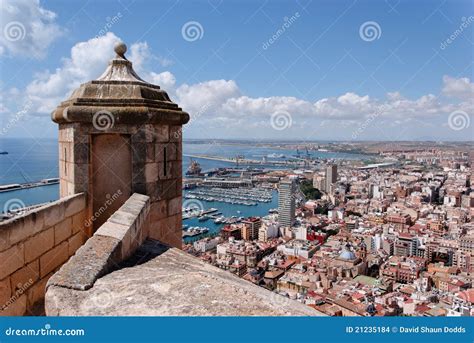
column 286, row 202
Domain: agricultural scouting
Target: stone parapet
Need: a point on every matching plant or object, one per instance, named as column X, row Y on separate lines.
column 32, row 247
column 111, row 244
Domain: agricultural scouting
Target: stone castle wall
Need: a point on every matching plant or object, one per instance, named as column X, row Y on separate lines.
column 32, row 247
column 113, row 243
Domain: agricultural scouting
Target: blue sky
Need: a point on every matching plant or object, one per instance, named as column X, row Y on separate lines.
column 319, row 77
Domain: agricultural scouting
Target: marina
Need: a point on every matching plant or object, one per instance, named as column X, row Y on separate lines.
column 226, row 213
column 194, row 231
column 239, row 196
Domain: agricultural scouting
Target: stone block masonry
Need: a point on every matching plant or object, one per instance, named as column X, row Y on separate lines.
column 114, row 241
column 32, row 247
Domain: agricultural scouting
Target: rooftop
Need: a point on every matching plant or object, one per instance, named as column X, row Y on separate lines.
column 163, row 281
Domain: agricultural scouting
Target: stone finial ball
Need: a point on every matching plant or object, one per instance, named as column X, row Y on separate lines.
column 120, row 48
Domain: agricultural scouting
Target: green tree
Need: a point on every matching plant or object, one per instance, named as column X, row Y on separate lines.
column 309, row 191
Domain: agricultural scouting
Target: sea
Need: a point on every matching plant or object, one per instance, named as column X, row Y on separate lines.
column 30, row 160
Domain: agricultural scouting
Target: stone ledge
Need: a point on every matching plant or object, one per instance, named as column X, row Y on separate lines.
column 127, row 223
column 112, row 243
column 94, row 259
column 171, row 283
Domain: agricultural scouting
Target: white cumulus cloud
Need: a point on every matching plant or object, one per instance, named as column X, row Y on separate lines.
column 220, row 105
column 87, row 61
column 27, row 28
column 461, row 88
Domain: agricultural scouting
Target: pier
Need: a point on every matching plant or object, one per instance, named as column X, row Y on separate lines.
column 300, row 163
column 19, row 186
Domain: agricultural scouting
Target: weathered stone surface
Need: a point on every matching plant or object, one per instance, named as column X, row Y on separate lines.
column 78, row 222
column 169, row 189
column 35, row 297
column 151, row 171
column 123, row 218
column 75, row 242
column 74, row 205
column 39, row 244
column 172, row 284
column 11, row 260
column 54, row 213
column 25, row 276
column 24, row 226
column 62, row 230
column 175, row 206
column 120, row 232
column 81, row 153
column 91, row 261
column 4, row 238
column 158, row 210
column 168, row 230
column 5, row 290
column 54, row 258
column 16, row 307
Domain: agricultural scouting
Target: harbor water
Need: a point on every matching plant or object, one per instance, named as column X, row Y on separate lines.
column 31, row 160
column 229, row 210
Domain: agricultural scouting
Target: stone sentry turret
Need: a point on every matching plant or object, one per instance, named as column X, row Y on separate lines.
column 120, row 135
